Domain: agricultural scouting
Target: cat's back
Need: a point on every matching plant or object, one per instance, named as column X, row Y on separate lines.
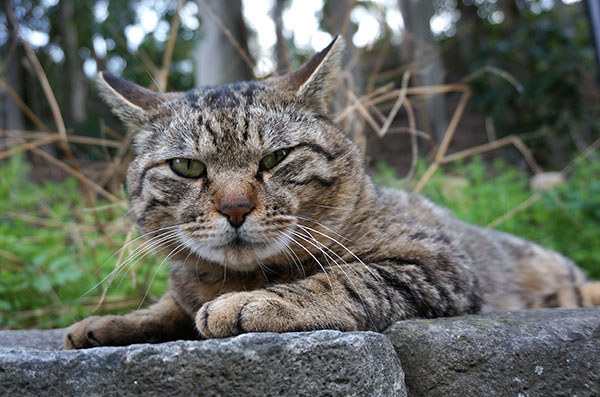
column 510, row 269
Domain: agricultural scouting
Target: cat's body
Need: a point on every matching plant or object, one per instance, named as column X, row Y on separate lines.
column 272, row 224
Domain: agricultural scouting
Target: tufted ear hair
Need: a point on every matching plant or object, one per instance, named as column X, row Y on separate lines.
column 316, row 80
column 130, row 102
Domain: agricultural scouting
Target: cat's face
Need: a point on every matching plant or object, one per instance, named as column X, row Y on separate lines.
column 228, row 172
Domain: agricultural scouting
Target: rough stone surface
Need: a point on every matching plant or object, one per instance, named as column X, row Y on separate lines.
column 550, row 352
column 33, row 339
column 317, row 363
column 553, row 352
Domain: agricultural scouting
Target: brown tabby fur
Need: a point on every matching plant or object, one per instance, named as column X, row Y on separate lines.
column 321, row 247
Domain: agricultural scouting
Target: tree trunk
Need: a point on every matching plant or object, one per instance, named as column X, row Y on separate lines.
column 74, row 79
column 429, row 70
column 336, row 18
column 217, row 59
column 11, row 116
column 281, row 53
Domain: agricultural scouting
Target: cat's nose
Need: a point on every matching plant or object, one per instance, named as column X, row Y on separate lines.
column 235, row 206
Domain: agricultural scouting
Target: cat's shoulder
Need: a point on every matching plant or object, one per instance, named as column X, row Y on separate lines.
column 397, row 199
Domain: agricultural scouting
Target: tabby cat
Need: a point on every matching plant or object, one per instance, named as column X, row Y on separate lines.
column 271, row 223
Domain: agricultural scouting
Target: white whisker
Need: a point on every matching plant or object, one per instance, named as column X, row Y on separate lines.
column 114, row 273
column 318, row 262
column 175, row 251
column 307, row 218
column 339, row 267
column 375, row 276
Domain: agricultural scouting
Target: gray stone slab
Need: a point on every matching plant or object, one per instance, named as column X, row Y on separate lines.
column 33, row 339
column 295, row 364
column 550, row 352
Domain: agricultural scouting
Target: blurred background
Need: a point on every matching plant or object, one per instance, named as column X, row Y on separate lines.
column 491, row 108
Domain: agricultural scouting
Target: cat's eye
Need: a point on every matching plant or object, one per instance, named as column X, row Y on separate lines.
column 272, row 159
column 188, row 168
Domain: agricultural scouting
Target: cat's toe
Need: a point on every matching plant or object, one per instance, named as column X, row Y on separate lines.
column 242, row 312
column 80, row 336
column 222, row 317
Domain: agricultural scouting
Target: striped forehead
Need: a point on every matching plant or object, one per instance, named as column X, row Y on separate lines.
column 222, row 97
column 233, row 115
column 248, row 120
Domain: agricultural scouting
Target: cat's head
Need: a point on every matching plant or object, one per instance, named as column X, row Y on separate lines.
column 233, row 173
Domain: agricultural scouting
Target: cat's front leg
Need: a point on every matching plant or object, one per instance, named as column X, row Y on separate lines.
column 352, row 297
column 163, row 321
column 318, row 302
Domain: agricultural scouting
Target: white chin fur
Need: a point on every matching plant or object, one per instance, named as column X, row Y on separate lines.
column 246, row 259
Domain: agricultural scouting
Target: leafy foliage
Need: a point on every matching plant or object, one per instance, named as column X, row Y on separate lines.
column 551, row 56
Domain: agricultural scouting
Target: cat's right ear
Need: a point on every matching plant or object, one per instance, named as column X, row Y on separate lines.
column 127, row 100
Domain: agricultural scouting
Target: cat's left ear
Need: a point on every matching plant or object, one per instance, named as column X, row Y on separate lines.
column 316, row 80
column 130, row 102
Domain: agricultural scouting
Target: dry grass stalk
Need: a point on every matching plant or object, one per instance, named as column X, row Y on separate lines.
column 118, row 264
column 84, row 140
column 365, row 98
column 519, row 208
column 511, row 139
column 27, row 146
column 396, row 108
column 591, row 149
column 441, row 152
column 364, row 112
column 56, row 114
column 80, row 177
column 413, row 139
column 498, row 72
column 28, row 112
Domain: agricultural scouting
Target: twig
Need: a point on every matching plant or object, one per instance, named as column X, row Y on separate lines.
column 498, row 72
column 77, row 174
column 27, row 146
column 445, row 141
column 163, row 73
column 28, row 112
column 349, row 109
column 85, row 140
column 519, row 208
column 590, row 149
column 362, row 110
column 396, row 108
column 511, row 139
column 413, row 139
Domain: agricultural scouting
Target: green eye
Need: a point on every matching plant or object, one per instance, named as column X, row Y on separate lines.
column 272, row 159
column 188, row 168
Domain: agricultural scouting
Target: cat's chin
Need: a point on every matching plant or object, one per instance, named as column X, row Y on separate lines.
column 237, row 254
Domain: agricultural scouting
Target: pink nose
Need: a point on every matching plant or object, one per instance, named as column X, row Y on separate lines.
column 236, row 215
column 235, row 205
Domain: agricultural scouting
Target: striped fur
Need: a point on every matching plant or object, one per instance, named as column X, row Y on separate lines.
column 320, row 246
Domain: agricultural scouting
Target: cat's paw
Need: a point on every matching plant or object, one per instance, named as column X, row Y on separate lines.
column 96, row 331
column 240, row 312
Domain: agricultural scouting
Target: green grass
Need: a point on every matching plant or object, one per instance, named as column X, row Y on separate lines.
column 52, row 254
column 52, row 251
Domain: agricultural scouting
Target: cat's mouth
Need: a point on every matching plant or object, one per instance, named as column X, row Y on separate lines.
column 238, row 252
column 238, row 243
